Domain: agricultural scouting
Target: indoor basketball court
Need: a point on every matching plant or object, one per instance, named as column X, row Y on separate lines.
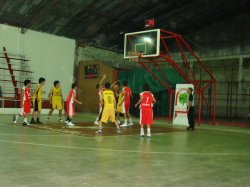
column 124, row 93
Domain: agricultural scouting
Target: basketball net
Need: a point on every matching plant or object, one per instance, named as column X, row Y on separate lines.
column 134, row 56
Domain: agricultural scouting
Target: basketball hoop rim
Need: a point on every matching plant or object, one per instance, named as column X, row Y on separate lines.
column 134, row 56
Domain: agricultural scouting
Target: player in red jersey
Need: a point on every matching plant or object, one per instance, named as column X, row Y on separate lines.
column 25, row 103
column 70, row 109
column 146, row 109
column 127, row 93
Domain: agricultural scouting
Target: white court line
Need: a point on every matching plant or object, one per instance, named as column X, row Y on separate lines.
column 130, row 151
column 15, row 134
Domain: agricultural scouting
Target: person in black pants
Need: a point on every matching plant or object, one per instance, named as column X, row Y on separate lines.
column 190, row 109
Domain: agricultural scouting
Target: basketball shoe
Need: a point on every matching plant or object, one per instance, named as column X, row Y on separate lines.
column 70, row 124
column 124, row 125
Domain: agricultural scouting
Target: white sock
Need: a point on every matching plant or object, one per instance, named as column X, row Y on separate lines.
column 142, row 130
column 25, row 120
column 97, row 119
column 126, row 121
column 148, row 130
column 130, row 120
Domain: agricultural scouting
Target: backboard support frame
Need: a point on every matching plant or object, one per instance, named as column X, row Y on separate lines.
column 164, row 56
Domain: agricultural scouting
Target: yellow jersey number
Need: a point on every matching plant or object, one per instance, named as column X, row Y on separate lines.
column 109, row 100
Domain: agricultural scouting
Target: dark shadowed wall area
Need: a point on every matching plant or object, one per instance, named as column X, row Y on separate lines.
column 87, row 92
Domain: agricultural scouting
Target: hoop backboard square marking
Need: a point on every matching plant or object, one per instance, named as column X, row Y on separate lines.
column 147, row 42
column 142, row 48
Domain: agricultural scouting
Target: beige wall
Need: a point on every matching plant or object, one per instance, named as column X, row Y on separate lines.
column 47, row 54
column 87, row 87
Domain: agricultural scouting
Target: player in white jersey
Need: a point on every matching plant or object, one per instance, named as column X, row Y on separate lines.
column 100, row 88
column 25, row 103
column 70, row 109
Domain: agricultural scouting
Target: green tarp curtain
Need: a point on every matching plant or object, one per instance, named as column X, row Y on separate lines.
column 138, row 77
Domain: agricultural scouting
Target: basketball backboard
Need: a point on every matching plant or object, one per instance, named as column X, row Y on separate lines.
column 145, row 42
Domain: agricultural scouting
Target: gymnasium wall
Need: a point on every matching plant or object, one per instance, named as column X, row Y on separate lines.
column 224, row 47
column 50, row 56
column 233, row 87
column 87, row 92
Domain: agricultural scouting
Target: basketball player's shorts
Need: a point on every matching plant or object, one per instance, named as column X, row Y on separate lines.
column 56, row 104
column 108, row 114
column 26, row 109
column 37, row 104
column 146, row 116
column 120, row 108
column 70, row 109
column 126, row 106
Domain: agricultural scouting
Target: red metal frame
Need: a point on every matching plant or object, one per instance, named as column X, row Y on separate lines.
column 16, row 70
column 14, row 81
column 166, row 57
column 11, row 71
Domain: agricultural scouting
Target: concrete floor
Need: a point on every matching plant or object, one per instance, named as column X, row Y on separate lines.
column 209, row 156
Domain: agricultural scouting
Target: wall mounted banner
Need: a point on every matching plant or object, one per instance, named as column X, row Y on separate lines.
column 180, row 104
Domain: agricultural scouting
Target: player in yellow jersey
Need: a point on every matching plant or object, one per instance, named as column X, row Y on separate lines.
column 55, row 99
column 37, row 102
column 100, row 89
column 119, row 109
column 109, row 104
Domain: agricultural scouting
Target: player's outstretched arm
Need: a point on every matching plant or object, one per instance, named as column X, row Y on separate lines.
column 103, row 78
column 77, row 101
column 139, row 102
column 113, row 84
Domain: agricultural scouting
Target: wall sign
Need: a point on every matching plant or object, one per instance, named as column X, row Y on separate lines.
column 180, row 104
column 91, row 71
